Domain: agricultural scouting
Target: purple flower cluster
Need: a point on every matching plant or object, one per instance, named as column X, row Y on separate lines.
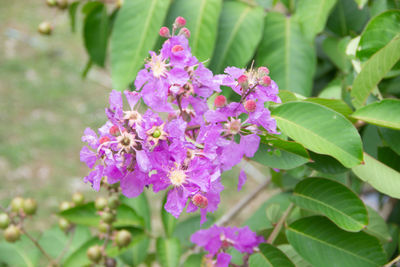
column 182, row 143
column 216, row 240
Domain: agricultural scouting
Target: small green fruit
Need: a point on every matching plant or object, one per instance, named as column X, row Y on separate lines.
column 64, row 224
column 78, row 199
column 45, row 28
column 113, row 202
column 103, row 227
column 51, row 3
column 30, row 206
column 65, row 206
column 17, row 204
column 123, row 238
column 12, row 233
column 94, row 253
column 101, row 203
column 4, row 221
column 107, row 217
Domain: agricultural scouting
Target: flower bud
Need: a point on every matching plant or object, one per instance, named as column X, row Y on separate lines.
column 78, row 198
column 51, row 2
column 17, row 204
column 94, row 253
column 243, row 81
column 100, row 203
column 185, row 32
column 103, row 227
column 164, row 32
column 200, row 201
column 263, row 70
column 176, row 48
column 12, row 233
column 110, row 262
column 4, row 220
column 65, row 206
column 250, row 105
column 220, row 101
column 180, row 22
column 104, row 139
column 107, row 217
column 30, row 206
column 266, row 80
column 45, row 28
column 114, row 130
column 113, row 201
column 62, row 4
column 64, row 224
column 123, row 238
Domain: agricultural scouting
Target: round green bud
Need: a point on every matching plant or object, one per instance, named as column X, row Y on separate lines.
column 103, row 227
column 113, row 202
column 64, row 224
column 17, row 204
column 78, row 198
column 101, row 203
column 45, row 28
column 4, row 221
column 12, row 233
column 107, row 217
column 156, row 133
column 62, row 4
column 123, row 238
column 51, row 2
column 65, row 205
column 94, row 253
column 30, row 206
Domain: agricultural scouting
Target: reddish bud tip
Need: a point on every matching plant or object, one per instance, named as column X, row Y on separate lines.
column 185, row 32
column 266, row 81
column 250, row 105
column 220, row 101
column 180, row 21
column 104, row 139
column 177, row 48
column 200, row 201
column 114, row 130
column 263, row 70
column 242, row 79
column 164, row 32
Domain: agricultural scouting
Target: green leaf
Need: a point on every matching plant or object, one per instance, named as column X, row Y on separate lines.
column 377, row 226
column 79, row 257
column 378, row 33
column 374, row 70
column 187, row 227
column 346, row 18
column 20, row 254
column 326, row 164
column 72, row 8
column 140, row 205
column 391, row 246
column 95, row 34
column 288, row 55
column 136, row 252
column 87, row 215
column 387, row 156
column 294, row 256
column 168, row 251
column 383, row 113
column 334, row 200
column 239, row 32
column 316, row 127
column 337, row 105
column 321, row 243
column 194, row 260
column 168, row 221
column 379, row 176
column 269, row 256
column 392, row 138
column 202, row 21
column 288, row 146
column 313, row 15
column 134, row 33
column 335, row 49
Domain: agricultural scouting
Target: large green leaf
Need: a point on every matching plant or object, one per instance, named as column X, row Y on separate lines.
column 379, row 31
column 377, row 226
column 239, row 32
column 321, row 130
column 374, row 70
column 335, row 49
column 286, row 52
column 168, row 251
column 134, row 33
column 326, row 164
column 323, row 244
column 202, row 21
column 337, row 105
column 20, row 254
column 294, row 256
column 346, row 18
column 72, row 9
column 95, row 34
column 384, row 113
column 313, row 15
column 141, row 206
column 378, row 175
column 392, row 138
column 334, row 200
column 269, row 256
column 79, row 257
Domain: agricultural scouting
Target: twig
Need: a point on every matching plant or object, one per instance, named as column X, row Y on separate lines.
column 66, row 247
column 36, row 243
column 390, row 263
column 242, row 203
column 278, row 226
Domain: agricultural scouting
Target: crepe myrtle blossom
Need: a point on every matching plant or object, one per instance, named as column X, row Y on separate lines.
column 182, row 141
column 217, row 240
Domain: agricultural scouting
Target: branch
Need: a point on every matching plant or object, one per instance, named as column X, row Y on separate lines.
column 392, row 261
column 278, row 226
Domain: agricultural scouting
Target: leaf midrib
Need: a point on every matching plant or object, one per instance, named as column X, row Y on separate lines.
column 199, row 18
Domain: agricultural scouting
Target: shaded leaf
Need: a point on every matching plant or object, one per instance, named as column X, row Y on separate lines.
column 168, row 251
column 377, row 226
column 269, row 256
column 392, row 138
